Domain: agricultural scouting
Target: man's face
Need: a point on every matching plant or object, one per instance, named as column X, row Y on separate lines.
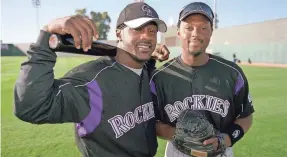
column 194, row 33
column 139, row 43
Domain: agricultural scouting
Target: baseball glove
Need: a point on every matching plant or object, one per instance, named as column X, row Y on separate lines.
column 192, row 128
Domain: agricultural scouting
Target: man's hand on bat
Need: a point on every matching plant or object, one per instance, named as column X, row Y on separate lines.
column 80, row 27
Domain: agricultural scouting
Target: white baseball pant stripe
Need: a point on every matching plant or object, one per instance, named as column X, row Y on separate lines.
column 171, row 151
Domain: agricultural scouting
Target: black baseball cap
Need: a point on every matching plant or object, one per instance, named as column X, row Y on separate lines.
column 196, row 8
column 137, row 14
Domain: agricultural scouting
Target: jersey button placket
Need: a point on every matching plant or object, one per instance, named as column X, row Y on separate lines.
column 192, row 86
column 196, row 91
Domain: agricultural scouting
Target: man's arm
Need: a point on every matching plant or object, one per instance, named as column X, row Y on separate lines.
column 245, row 123
column 232, row 135
column 161, row 53
column 164, row 131
column 39, row 98
column 243, row 109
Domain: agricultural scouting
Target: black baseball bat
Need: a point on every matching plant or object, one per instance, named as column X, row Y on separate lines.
column 65, row 44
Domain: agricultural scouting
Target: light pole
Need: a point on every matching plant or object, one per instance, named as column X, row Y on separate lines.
column 37, row 4
column 211, row 44
column 215, row 13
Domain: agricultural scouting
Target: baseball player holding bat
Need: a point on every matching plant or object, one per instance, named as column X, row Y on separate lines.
column 196, row 80
column 108, row 99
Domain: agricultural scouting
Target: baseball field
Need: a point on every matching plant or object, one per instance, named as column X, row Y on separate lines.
column 267, row 137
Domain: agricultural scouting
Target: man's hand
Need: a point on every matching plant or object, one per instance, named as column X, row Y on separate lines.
column 81, row 28
column 164, row 131
column 214, row 141
column 161, row 53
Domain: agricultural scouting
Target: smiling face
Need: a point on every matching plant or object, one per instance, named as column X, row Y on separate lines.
column 194, row 33
column 139, row 43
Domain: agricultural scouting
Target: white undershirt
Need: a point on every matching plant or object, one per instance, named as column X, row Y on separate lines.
column 137, row 71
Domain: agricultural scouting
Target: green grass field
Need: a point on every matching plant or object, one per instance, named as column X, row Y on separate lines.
column 267, row 137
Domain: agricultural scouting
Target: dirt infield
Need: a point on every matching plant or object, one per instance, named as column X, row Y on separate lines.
column 265, row 65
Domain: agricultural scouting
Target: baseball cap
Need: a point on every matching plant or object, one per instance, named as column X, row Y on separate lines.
column 196, row 8
column 137, row 14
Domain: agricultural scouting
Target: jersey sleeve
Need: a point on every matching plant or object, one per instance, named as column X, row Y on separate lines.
column 155, row 100
column 158, row 99
column 39, row 98
column 243, row 101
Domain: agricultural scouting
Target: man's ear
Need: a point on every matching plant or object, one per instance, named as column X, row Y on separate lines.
column 118, row 34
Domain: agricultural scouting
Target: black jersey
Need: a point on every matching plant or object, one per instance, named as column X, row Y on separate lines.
column 111, row 106
column 219, row 89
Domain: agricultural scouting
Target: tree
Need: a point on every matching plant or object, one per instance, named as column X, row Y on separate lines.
column 102, row 21
column 81, row 11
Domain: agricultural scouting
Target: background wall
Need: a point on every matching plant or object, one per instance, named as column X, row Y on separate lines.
column 264, row 42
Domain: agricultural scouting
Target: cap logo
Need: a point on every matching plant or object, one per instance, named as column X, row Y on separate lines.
column 199, row 8
column 147, row 10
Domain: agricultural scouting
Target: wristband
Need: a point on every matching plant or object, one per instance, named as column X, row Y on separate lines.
column 235, row 132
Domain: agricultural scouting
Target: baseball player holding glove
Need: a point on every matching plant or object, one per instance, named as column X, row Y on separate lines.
column 192, row 129
column 196, row 80
column 108, row 99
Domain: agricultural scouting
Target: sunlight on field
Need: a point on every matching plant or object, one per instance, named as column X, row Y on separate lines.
column 265, row 139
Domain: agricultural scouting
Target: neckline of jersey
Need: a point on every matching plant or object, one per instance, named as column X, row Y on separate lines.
column 194, row 67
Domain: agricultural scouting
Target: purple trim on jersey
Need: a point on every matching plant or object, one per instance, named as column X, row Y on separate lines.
column 94, row 117
column 239, row 83
column 152, row 87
